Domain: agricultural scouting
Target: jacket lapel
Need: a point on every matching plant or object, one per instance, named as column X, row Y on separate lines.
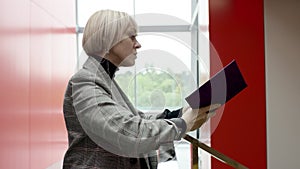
column 109, row 85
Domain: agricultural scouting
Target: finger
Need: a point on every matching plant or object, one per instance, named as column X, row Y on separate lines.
column 185, row 109
column 210, row 108
column 205, row 109
column 214, row 107
column 211, row 114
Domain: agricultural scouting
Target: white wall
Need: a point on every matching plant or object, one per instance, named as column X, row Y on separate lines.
column 282, row 40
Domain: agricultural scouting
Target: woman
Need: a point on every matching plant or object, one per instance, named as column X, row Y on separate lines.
column 104, row 129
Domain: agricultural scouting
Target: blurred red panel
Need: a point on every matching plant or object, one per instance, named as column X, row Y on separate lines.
column 237, row 32
column 62, row 12
column 14, row 54
column 40, row 86
column 38, row 55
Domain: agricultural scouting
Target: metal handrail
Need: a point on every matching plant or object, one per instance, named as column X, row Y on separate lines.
column 225, row 159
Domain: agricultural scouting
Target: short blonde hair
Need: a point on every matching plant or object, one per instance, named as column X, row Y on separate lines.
column 104, row 29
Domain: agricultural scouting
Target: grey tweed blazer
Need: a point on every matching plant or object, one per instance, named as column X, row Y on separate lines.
column 105, row 131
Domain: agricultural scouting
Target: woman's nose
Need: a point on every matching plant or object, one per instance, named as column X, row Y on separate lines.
column 137, row 45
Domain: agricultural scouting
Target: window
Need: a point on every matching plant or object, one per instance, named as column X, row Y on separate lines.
column 172, row 62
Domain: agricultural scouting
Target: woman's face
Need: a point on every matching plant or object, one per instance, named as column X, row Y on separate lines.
column 124, row 53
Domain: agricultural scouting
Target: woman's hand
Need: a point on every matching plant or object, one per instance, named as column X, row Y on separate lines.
column 195, row 118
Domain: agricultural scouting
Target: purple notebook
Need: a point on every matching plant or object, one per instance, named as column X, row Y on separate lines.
column 223, row 86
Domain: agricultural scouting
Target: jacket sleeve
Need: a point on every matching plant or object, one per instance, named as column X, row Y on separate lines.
column 114, row 127
column 166, row 114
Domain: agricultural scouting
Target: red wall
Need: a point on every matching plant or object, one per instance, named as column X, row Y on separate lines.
column 38, row 52
column 237, row 32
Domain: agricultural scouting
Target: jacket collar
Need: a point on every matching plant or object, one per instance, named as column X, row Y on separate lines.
column 101, row 64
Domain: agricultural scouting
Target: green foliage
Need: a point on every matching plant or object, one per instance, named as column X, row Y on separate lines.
column 154, row 89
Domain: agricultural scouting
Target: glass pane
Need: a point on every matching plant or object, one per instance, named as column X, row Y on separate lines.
column 179, row 9
column 87, row 7
column 82, row 57
column 162, row 75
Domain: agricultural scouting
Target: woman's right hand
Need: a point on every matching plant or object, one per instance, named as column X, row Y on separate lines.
column 195, row 118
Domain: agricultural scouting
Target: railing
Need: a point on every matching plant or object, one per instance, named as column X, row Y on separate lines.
column 197, row 144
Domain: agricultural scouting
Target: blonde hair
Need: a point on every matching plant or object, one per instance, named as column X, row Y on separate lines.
column 104, row 29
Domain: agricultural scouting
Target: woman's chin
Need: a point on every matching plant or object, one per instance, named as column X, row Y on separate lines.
column 129, row 61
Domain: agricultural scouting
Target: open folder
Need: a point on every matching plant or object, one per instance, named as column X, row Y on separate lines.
column 223, row 86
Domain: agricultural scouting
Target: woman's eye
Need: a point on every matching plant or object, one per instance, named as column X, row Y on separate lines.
column 133, row 37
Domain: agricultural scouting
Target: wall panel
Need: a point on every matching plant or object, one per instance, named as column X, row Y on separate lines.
column 38, row 55
column 14, row 112
column 282, row 32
